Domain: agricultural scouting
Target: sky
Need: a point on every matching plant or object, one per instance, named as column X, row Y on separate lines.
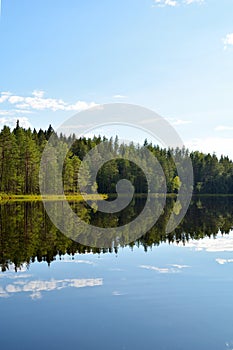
column 174, row 57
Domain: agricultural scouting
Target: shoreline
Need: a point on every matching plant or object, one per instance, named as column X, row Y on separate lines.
column 34, row 198
column 78, row 197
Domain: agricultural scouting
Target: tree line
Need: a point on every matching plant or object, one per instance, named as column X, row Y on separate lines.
column 21, row 151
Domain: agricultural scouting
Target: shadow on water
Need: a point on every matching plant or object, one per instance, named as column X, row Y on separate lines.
column 27, row 234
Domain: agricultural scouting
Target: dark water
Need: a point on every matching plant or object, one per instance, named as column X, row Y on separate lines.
column 161, row 292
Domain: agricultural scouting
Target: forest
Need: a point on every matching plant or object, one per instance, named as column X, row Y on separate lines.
column 21, row 150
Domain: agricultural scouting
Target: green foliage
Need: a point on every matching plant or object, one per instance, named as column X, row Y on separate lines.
column 21, row 151
column 176, row 183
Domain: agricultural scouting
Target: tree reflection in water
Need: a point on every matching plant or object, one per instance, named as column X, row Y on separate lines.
column 27, row 234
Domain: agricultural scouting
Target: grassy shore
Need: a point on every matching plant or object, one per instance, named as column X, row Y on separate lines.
column 79, row 198
column 24, row 198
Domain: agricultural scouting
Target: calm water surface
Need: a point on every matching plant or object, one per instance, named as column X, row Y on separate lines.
column 162, row 292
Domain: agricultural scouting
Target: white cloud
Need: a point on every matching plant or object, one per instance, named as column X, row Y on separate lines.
column 15, row 99
column 117, row 293
column 36, row 296
column 6, row 112
column 180, row 267
column 174, row 269
column 119, row 96
column 162, row 3
column 228, row 40
column 87, row 262
column 38, row 93
column 38, row 102
column 80, row 106
column 12, row 288
column 4, row 96
column 16, row 107
column 189, row 2
column 219, row 244
column 224, row 261
column 37, row 286
column 177, row 122
column 157, row 269
column 174, row 3
column 18, row 277
column 218, row 145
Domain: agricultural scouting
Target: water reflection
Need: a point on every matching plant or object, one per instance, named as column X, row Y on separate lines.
column 36, row 287
column 224, row 261
column 26, row 233
column 22, row 282
column 219, row 244
column 174, row 268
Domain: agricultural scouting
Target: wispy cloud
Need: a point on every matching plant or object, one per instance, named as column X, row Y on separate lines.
column 174, row 3
column 13, row 112
column 157, row 269
column 36, row 287
column 163, row 3
column 120, row 97
column 173, row 269
column 117, row 293
column 228, row 40
column 224, row 261
column 219, row 244
column 87, row 262
column 3, row 293
column 180, row 267
column 177, row 122
column 189, row 2
column 36, row 295
column 38, row 101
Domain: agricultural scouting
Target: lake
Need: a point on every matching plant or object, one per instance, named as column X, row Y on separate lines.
column 163, row 291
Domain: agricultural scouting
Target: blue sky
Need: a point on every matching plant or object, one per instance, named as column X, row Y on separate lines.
column 173, row 56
